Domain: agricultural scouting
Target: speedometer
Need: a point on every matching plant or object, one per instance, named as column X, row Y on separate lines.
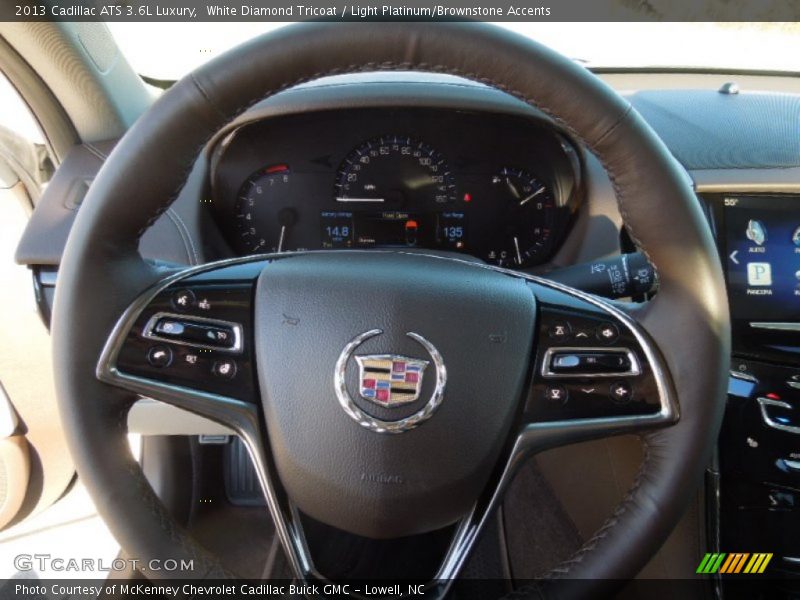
column 395, row 171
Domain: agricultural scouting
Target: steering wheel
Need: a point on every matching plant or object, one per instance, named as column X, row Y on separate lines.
column 484, row 365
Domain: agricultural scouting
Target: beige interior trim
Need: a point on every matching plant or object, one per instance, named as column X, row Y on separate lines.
column 776, row 181
column 15, row 471
column 151, row 417
column 642, row 80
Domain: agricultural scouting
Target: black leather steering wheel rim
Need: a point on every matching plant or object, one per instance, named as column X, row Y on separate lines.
column 101, row 271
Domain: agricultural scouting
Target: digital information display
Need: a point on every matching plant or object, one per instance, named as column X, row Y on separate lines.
column 391, row 229
column 762, row 236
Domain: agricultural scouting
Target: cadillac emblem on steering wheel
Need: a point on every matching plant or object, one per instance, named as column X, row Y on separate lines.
column 389, row 381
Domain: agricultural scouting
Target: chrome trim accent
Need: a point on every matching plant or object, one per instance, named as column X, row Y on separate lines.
column 243, row 417
column 769, row 421
column 373, row 423
column 776, row 326
column 238, row 344
column 548, row 355
column 794, row 465
column 744, row 376
column 793, row 384
column 791, row 559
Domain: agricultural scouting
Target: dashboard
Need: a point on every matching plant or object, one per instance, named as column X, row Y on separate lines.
column 500, row 188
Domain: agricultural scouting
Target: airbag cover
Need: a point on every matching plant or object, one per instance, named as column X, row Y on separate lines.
column 309, row 307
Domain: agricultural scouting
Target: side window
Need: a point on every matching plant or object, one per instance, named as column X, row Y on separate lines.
column 25, row 376
column 23, row 153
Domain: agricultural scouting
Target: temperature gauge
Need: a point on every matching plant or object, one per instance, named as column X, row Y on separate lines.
column 526, row 210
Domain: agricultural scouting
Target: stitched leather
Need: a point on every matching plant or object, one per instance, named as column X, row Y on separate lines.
column 101, row 272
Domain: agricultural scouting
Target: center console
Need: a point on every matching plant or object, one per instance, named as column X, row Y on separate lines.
column 757, row 485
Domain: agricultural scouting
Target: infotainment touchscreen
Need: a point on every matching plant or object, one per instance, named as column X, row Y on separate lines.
column 762, row 236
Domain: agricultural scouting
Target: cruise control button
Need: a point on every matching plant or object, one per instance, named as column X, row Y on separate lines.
column 556, row 394
column 159, row 356
column 224, row 369
column 608, row 333
column 621, row 392
column 559, row 331
column 183, row 300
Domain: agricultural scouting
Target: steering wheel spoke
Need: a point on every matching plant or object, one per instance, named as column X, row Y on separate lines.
column 596, row 373
column 171, row 345
column 187, row 341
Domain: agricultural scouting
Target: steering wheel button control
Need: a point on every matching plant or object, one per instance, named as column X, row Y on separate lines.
column 560, row 331
column 183, row 300
column 621, row 392
column 170, row 327
column 590, row 362
column 203, row 334
column 159, row 356
column 601, row 368
column 195, row 331
column 225, row 369
column 556, row 394
column 566, row 361
column 608, row 333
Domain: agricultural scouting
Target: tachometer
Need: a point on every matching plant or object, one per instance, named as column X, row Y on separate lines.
column 525, row 208
column 263, row 210
column 395, row 172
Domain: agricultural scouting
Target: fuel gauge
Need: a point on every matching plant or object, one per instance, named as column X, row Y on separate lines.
column 526, row 212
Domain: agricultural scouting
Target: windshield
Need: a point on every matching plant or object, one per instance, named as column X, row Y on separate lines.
column 170, row 50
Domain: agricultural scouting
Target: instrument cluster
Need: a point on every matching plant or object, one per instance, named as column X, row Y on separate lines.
column 497, row 187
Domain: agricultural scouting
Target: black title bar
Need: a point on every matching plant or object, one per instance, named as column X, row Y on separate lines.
column 394, row 10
